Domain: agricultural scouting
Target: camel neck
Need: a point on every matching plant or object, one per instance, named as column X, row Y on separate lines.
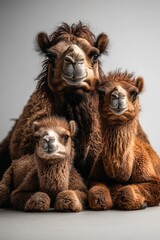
column 53, row 177
column 118, row 149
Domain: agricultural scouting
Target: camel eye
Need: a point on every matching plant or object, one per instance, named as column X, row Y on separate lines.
column 51, row 55
column 36, row 138
column 65, row 137
column 95, row 57
column 134, row 96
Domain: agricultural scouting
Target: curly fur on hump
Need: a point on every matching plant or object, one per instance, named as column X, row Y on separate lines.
column 127, row 172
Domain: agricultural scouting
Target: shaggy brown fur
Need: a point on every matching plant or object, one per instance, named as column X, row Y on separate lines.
column 127, row 174
column 66, row 87
column 46, row 178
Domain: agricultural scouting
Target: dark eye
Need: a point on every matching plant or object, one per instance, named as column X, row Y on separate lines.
column 134, row 96
column 51, row 55
column 66, row 137
column 95, row 57
column 36, row 138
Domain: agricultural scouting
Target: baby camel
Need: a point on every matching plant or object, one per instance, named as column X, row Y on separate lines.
column 47, row 178
column 127, row 174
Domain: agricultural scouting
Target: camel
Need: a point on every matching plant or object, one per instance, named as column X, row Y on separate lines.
column 127, row 173
column 50, row 179
column 66, row 88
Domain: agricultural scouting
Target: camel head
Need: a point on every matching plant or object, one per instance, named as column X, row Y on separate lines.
column 120, row 102
column 53, row 138
column 71, row 57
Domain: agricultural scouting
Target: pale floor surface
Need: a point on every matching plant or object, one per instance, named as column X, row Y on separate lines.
column 87, row 225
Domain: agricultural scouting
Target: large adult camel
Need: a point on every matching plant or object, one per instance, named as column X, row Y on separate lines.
column 65, row 87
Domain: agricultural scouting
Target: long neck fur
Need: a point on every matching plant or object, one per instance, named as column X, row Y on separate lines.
column 81, row 107
column 53, row 177
column 118, row 149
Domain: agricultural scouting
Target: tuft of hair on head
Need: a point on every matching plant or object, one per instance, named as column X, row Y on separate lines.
column 77, row 29
column 140, row 84
column 119, row 75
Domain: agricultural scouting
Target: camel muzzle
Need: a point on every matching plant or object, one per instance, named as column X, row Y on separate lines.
column 74, row 70
column 118, row 102
column 49, row 144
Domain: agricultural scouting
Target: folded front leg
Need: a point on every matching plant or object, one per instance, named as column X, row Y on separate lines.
column 27, row 188
column 5, row 187
column 138, row 196
column 75, row 198
column 19, row 199
column 99, row 197
column 38, row 202
column 70, row 200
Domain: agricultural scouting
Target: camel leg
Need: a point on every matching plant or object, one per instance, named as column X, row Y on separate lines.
column 5, row 187
column 71, row 200
column 38, row 202
column 99, row 197
column 30, row 201
column 19, row 199
column 25, row 191
column 138, row 196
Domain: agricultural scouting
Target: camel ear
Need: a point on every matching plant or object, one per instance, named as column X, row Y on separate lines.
column 140, row 84
column 102, row 43
column 72, row 127
column 43, row 41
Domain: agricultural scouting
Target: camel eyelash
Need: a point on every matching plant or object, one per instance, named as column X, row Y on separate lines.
column 51, row 55
column 134, row 95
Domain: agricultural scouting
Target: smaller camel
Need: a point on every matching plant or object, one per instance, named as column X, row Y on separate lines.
column 46, row 178
column 127, row 173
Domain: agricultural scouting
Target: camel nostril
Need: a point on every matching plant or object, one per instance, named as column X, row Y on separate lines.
column 80, row 61
column 115, row 94
column 74, row 60
column 69, row 59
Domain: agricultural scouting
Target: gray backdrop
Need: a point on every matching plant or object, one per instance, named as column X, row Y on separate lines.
column 134, row 31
